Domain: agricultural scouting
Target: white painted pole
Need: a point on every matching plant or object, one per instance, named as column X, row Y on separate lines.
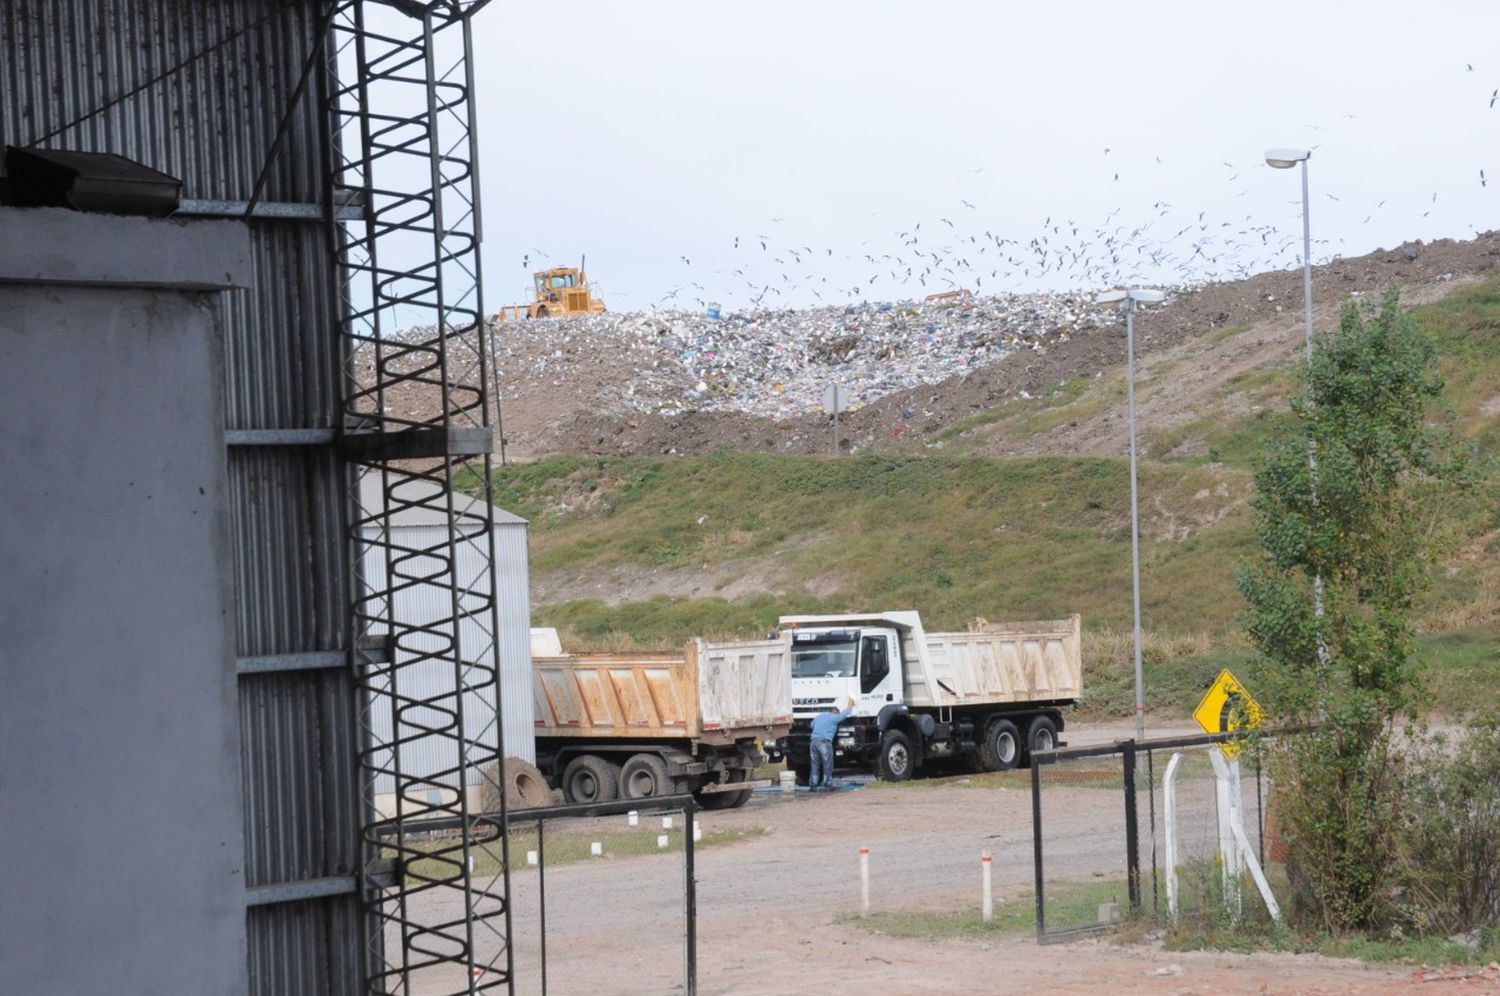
column 864, row 881
column 987, row 903
column 1228, row 846
column 1169, row 798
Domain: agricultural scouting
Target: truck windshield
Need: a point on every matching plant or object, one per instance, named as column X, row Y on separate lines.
column 824, row 660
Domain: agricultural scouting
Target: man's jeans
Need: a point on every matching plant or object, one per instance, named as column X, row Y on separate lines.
column 822, row 764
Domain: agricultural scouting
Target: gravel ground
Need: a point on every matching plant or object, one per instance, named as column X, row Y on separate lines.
column 774, row 911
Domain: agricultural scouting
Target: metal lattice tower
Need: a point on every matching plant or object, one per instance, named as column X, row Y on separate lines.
column 401, row 117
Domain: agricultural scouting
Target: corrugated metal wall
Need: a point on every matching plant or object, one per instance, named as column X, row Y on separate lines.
column 197, row 90
column 427, row 603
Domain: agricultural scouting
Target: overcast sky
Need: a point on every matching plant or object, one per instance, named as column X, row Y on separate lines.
column 647, row 131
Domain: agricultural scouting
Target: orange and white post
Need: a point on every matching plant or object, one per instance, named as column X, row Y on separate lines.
column 864, row 881
column 987, row 900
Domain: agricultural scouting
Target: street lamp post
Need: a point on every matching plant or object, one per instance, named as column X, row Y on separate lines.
column 1286, row 159
column 1130, row 297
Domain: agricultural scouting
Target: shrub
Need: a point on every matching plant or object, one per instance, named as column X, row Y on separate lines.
column 1448, row 875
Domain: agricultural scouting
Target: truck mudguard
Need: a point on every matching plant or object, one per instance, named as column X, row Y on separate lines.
column 889, row 713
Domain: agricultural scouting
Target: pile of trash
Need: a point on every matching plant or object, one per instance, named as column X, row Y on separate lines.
column 778, row 363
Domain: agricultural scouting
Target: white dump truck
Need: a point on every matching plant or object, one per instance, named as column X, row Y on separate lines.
column 638, row 725
column 984, row 698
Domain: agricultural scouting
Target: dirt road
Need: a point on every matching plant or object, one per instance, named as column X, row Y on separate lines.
column 776, row 912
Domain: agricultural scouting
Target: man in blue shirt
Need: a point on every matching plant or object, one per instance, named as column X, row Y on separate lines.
column 825, row 726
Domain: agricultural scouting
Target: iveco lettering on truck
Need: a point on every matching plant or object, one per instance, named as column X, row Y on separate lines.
column 984, row 698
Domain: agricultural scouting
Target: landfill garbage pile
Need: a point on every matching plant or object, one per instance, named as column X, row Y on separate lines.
column 777, row 363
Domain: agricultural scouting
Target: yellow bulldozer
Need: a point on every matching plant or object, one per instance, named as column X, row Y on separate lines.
column 561, row 290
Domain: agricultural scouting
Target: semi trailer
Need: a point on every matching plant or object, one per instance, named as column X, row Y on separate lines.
column 984, row 698
column 638, row 725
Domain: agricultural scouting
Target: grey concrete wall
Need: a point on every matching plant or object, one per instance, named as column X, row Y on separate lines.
column 119, row 771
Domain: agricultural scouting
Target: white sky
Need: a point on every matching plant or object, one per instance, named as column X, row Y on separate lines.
column 643, row 131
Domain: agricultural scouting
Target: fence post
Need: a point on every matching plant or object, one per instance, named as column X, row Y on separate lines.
column 1132, row 831
column 1036, row 845
column 541, row 890
column 690, row 898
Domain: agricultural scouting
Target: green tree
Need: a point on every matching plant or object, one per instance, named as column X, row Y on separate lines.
column 1352, row 504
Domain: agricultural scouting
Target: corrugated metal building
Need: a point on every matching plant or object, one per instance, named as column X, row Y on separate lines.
column 268, row 103
column 419, row 527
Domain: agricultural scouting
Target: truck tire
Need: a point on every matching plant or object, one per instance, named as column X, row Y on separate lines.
column 644, row 776
column 725, row 800
column 1041, row 734
column 1001, row 749
column 897, row 760
column 590, row 778
column 802, row 771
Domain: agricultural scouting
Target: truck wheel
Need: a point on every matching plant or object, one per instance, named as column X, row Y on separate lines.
column 897, row 759
column 725, row 800
column 1002, row 745
column 590, row 778
column 803, row 772
column 645, row 777
column 1040, row 735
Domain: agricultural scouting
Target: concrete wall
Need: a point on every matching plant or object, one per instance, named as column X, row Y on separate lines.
column 119, row 743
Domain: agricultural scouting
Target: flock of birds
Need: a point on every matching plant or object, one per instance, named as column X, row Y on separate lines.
column 1171, row 244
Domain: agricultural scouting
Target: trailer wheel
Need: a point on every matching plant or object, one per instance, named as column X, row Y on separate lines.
column 897, row 760
column 590, row 778
column 1002, row 746
column 645, row 777
column 1040, row 735
column 726, row 800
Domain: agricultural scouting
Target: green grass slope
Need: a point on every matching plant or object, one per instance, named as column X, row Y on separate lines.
column 1014, row 538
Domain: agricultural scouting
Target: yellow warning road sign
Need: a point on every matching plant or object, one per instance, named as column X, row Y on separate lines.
column 1227, row 706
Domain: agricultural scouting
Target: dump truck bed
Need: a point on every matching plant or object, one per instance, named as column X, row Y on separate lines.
column 1000, row 662
column 716, row 693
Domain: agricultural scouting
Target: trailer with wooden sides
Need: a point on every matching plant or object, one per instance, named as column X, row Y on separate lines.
column 644, row 724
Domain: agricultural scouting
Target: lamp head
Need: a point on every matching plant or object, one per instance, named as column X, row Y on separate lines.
column 1286, row 158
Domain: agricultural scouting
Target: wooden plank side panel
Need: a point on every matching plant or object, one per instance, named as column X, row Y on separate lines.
column 665, row 688
column 636, row 709
column 595, row 694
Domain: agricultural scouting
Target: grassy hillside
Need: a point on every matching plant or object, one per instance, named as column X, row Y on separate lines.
column 958, row 536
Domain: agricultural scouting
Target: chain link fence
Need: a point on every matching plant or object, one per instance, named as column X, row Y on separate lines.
column 1141, row 830
column 602, row 899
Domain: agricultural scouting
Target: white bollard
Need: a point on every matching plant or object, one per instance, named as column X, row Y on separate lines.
column 661, row 841
column 864, row 881
column 1169, row 798
column 987, row 902
column 596, row 849
column 666, row 822
column 697, row 832
column 633, row 818
column 531, row 857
